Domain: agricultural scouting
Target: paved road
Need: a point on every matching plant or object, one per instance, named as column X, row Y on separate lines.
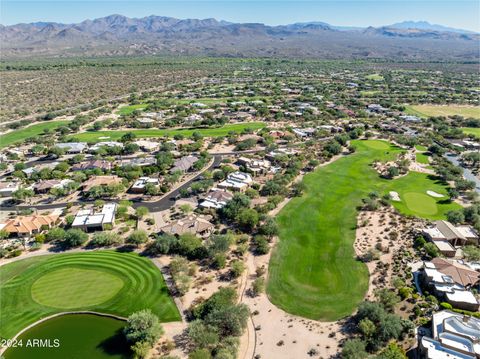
column 160, row 205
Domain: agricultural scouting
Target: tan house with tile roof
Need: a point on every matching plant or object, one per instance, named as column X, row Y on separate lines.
column 28, row 225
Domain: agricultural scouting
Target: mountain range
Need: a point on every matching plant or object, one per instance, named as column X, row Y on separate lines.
column 120, row 35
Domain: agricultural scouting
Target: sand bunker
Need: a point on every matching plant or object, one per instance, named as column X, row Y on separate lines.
column 435, row 194
column 394, row 196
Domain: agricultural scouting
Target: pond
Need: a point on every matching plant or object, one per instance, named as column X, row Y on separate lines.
column 73, row 336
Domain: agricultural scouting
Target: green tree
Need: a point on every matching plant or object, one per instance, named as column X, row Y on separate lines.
column 141, row 212
column 56, row 234
column 237, row 268
column 202, row 336
column 269, row 227
column 247, row 219
column 393, row 351
column 74, row 238
column 143, row 326
column 471, row 253
column 354, row 349
column 431, row 249
column 137, row 237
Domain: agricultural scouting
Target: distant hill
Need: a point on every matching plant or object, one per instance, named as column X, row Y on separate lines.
column 424, row 25
column 120, row 35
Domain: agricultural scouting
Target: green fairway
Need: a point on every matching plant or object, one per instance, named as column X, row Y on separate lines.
column 75, row 287
column 21, row 134
column 472, row 131
column 375, row 77
column 421, row 148
column 96, row 136
column 443, row 110
column 313, row 271
column 102, row 281
column 422, row 158
column 128, row 110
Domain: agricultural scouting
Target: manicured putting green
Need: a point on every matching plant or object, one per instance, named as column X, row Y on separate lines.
column 75, row 287
column 420, row 203
column 102, row 281
column 377, row 145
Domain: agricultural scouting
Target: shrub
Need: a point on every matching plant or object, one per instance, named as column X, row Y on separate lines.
column 74, row 238
column 143, row 326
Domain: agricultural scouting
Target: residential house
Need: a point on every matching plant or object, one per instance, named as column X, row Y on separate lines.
column 236, row 181
column 7, row 188
column 446, row 236
column 145, row 120
column 138, row 161
column 304, row 132
column 100, row 181
column 104, row 165
column 47, row 185
column 184, row 164
column 409, row 118
column 452, row 282
column 216, row 198
column 72, row 147
column 87, row 219
column 453, row 336
column 376, row 108
column 26, row 226
column 99, row 145
column 191, row 224
column 255, row 166
column 148, row 146
column 139, row 185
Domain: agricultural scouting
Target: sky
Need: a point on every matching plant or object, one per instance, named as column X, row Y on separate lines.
column 454, row 13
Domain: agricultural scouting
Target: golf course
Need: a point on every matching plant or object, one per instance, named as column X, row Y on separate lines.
column 472, row 131
column 97, row 136
column 102, row 281
column 443, row 110
column 313, row 272
column 21, row 134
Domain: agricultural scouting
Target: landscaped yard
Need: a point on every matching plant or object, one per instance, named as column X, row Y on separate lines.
column 97, row 136
column 472, row 131
column 313, row 271
column 21, row 134
column 443, row 110
column 102, row 281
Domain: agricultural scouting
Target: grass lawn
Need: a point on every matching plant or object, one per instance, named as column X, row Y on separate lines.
column 313, row 271
column 128, row 110
column 422, row 158
column 421, row 148
column 414, row 199
column 375, row 77
column 443, row 110
column 103, row 281
column 95, row 136
column 472, row 131
column 21, row 134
